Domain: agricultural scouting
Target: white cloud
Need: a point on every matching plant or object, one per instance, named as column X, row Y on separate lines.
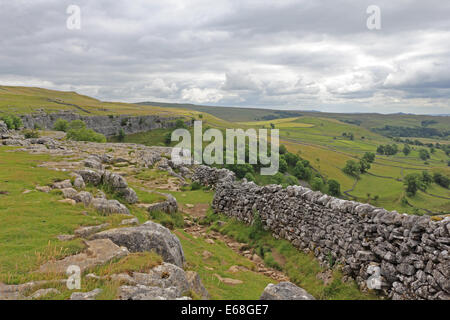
column 197, row 95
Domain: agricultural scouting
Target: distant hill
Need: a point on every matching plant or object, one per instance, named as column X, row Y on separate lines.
column 395, row 124
column 233, row 114
column 25, row 100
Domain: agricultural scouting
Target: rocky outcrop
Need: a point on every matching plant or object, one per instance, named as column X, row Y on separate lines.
column 116, row 182
column 98, row 252
column 108, row 207
column 91, row 295
column 3, row 128
column 195, row 285
column 164, row 282
column 22, row 291
column 400, row 255
column 285, row 291
column 147, row 237
column 169, row 206
column 107, row 125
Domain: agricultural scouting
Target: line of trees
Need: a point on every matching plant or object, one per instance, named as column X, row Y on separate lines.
column 388, row 149
column 354, row 168
column 414, row 182
column 12, row 122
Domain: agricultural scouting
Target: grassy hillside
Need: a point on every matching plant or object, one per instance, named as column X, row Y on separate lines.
column 25, row 100
column 321, row 138
column 365, row 120
column 321, row 142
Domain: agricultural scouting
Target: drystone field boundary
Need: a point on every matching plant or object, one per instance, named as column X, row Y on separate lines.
column 405, row 256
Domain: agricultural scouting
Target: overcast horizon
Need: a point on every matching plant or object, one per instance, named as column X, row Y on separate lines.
column 290, row 55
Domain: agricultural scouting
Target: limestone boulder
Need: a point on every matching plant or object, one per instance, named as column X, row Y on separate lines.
column 108, row 207
column 285, row 291
column 147, row 237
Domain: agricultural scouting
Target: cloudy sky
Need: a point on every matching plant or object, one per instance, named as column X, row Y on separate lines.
column 285, row 54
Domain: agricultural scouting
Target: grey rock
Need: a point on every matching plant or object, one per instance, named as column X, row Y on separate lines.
column 132, row 221
column 196, row 285
column 44, row 292
column 91, row 295
column 85, row 232
column 69, row 192
column 108, row 207
column 90, row 176
column 62, row 184
column 83, row 197
column 93, row 163
column 141, row 292
column 285, row 291
column 147, row 237
column 3, row 128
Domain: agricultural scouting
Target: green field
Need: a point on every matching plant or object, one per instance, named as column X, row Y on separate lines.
column 321, row 138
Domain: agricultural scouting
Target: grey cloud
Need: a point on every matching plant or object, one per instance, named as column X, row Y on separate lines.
column 284, row 54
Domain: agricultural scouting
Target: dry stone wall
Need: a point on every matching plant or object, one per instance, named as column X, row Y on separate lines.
column 405, row 256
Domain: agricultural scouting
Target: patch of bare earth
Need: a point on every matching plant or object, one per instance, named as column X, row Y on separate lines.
column 198, row 210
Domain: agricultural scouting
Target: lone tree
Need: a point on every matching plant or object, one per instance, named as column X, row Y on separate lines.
column 334, row 188
column 423, row 154
column 406, row 150
column 352, row 168
column 121, row 135
column 414, row 183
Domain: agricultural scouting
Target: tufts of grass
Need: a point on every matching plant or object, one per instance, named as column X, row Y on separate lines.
column 170, row 221
column 134, row 262
column 301, row 268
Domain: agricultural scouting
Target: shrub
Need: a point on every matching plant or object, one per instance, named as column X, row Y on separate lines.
column 195, row 186
column 121, row 135
column 256, row 229
column 364, row 166
column 250, row 177
column 369, row 157
column 168, row 138
column 334, row 188
column 317, row 184
column 423, row 154
column 17, row 122
column 352, row 168
column 283, row 166
column 291, row 158
column 85, row 134
column 240, row 169
column 76, row 125
column 301, row 171
column 406, row 150
column 426, row 178
column 12, row 122
column 291, row 181
column 179, row 124
column 413, row 183
column 9, row 122
column 441, row 180
column 61, row 125
column 29, row 134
